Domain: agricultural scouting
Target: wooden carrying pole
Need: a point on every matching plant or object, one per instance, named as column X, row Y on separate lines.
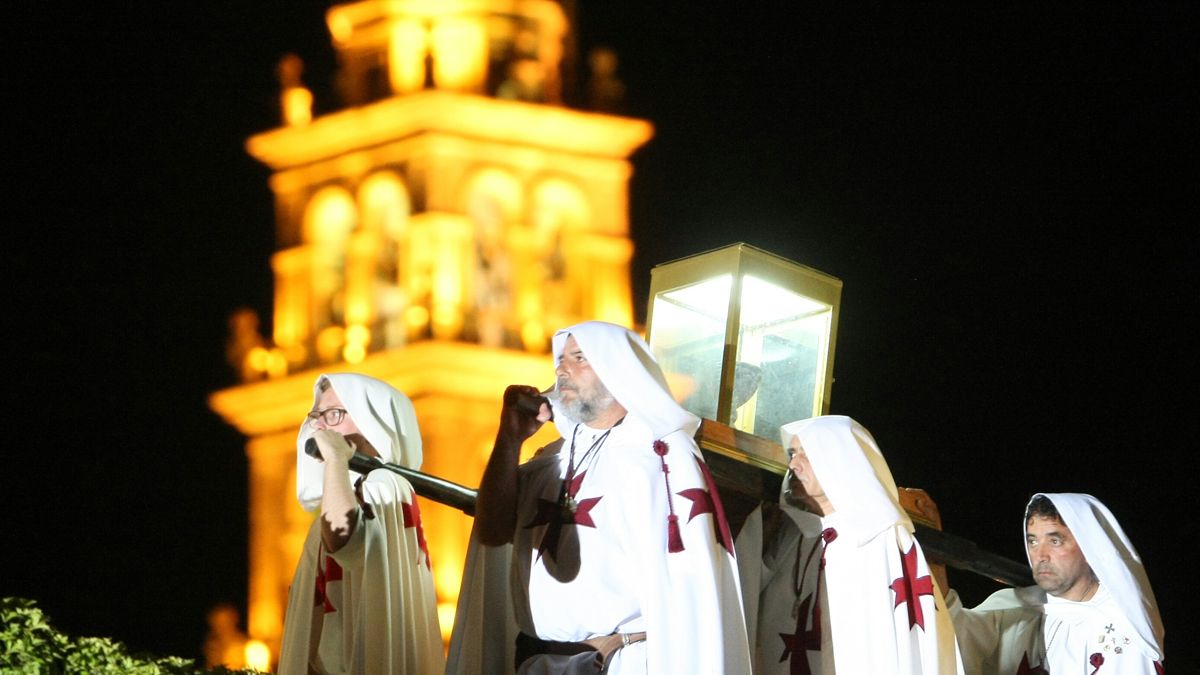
column 748, row 471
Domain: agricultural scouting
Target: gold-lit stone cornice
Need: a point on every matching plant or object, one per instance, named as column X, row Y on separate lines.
column 466, row 115
column 454, row 369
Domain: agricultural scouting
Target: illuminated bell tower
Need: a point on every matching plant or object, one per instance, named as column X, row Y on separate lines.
column 432, row 233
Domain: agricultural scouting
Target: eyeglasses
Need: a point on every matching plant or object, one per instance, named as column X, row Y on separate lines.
column 330, row 416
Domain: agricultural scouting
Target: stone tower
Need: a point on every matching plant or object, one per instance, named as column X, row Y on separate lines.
column 432, row 232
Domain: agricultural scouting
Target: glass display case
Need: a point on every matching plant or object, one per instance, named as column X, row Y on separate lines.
column 745, row 337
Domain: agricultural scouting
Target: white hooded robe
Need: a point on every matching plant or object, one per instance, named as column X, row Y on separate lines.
column 614, row 569
column 370, row 607
column 878, row 607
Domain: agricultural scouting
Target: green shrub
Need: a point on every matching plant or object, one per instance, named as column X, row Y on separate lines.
column 30, row 645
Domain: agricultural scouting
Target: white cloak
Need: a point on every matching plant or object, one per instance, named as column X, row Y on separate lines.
column 370, row 607
column 611, row 569
column 1003, row 634
column 880, row 609
column 1093, row 637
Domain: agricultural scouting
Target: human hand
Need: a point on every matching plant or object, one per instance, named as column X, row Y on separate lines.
column 334, row 447
column 517, row 422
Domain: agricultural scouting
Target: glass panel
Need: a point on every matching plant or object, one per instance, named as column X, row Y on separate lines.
column 779, row 375
column 688, row 337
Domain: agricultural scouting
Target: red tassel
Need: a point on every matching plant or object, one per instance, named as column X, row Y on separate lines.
column 674, row 539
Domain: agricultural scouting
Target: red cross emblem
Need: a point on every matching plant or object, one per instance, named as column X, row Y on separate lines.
column 412, row 518
column 554, row 516
column 802, row 641
column 331, row 571
column 909, row 588
column 721, row 523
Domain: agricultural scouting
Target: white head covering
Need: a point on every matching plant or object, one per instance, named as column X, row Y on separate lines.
column 1115, row 562
column 384, row 416
column 624, row 363
column 853, row 473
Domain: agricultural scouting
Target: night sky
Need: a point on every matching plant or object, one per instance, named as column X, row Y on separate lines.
column 1008, row 196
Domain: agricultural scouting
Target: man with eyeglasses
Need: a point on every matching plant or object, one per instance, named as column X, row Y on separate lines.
column 362, row 599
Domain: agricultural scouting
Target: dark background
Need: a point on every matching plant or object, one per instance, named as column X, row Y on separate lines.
column 1007, row 194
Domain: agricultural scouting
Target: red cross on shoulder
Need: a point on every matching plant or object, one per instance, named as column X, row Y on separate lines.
column 909, row 588
column 412, row 518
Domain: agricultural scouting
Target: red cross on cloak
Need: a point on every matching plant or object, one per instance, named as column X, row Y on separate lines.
column 412, row 518
column 701, row 501
column 798, row 644
column 711, row 504
column 1026, row 669
column 909, row 588
column 550, row 514
column 332, row 571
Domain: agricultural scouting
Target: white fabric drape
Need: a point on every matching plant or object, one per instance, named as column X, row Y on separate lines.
column 881, row 611
column 1002, row 635
column 611, row 570
column 370, row 608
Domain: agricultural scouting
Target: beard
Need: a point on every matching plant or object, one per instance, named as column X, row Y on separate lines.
column 795, row 495
column 794, row 492
column 586, row 406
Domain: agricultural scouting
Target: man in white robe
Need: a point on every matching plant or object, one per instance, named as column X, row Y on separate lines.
column 362, row 599
column 1092, row 611
column 833, row 579
column 622, row 560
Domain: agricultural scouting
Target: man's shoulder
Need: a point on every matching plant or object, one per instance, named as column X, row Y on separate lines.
column 1024, row 597
column 383, row 488
column 544, row 458
column 551, row 448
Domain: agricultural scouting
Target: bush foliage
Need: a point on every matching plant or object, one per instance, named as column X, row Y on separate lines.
column 30, row 645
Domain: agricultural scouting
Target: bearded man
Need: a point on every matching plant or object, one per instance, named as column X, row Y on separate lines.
column 621, row 559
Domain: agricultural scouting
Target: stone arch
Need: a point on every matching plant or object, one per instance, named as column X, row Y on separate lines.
column 493, row 200
column 329, row 216
column 558, row 209
column 375, row 284
column 558, row 204
column 329, row 219
column 492, row 195
column 384, row 202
